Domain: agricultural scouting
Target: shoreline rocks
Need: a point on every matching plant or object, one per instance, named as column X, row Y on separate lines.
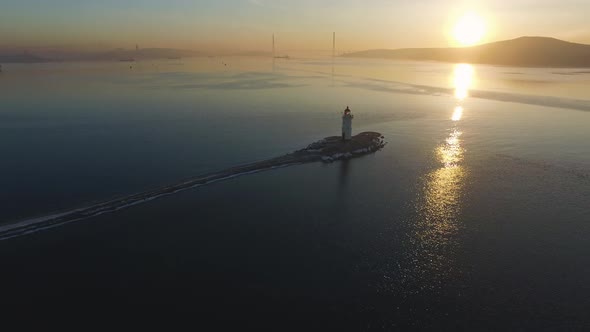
column 333, row 148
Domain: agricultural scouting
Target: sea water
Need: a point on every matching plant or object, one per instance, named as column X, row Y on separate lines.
column 477, row 210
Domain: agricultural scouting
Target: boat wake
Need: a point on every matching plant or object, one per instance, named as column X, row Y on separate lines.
column 34, row 225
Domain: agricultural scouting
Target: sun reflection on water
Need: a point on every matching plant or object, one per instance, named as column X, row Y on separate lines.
column 450, row 153
column 463, row 79
column 439, row 210
column 442, row 193
column 440, row 203
column 457, row 113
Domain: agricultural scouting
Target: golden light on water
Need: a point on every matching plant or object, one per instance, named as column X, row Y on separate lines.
column 469, row 29
column 450, row 153
column 439, row 212
column 463, row 79
column 441, row 197
column 444, row 185
column 440, row 206
column 457, row 113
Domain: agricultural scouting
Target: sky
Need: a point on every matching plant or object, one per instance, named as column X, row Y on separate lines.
column 297, row 24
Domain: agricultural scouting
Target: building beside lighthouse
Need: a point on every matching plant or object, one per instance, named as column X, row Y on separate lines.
column 347, row 124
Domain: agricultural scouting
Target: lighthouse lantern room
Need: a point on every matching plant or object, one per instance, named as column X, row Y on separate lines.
column 347, row 124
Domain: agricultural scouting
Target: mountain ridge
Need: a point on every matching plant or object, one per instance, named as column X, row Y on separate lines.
column 526, row 51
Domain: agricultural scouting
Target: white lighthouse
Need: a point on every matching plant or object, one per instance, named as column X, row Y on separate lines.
column 347, row 124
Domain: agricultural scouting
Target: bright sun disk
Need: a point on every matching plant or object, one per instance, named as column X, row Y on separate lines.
column 469, row 29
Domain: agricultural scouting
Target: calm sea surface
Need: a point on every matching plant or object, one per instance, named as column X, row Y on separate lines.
column 476, row 214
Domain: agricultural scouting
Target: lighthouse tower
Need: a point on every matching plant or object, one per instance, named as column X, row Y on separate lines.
column 347, row 124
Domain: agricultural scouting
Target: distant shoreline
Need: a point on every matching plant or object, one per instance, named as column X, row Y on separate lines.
column 113, row 55
column 536, row 52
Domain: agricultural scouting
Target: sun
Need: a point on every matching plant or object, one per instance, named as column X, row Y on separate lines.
column 469, row 29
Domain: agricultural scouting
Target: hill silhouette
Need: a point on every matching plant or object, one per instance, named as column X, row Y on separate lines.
column 522, row 52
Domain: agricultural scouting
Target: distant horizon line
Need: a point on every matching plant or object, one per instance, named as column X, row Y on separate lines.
column 90, row 47
column 53, row 54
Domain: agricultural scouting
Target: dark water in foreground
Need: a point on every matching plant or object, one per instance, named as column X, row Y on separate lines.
column 470, row 220
column 306, row 248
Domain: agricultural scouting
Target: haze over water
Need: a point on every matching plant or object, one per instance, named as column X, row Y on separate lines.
column 476, row 210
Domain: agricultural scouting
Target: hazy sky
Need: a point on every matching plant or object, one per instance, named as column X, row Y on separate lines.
column 298, row 24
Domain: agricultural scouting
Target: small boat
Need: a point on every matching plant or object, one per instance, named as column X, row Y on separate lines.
column 127, row 60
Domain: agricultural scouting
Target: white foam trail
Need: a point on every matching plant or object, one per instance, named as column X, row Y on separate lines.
column 37, row 224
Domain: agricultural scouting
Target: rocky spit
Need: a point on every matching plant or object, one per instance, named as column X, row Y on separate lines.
column 327, row 150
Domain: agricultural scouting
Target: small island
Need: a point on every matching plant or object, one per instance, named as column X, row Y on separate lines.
column 334, row 148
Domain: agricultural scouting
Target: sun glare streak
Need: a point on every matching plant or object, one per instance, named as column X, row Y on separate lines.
column 451, row 153
column 441, row 202
column 439, row 211
column 457, row 114
column 462, row 79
